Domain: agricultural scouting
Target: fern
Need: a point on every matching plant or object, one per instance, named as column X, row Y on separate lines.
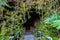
column 54, row 20
column 56, row 24
column 3, row 3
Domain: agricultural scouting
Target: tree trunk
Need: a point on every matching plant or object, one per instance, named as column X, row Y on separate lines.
column 1, row 13
column 59, row 33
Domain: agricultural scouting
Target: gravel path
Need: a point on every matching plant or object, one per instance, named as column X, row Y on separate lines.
column 28, row 36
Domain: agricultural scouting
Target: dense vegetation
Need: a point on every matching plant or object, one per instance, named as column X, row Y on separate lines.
column 12, row 17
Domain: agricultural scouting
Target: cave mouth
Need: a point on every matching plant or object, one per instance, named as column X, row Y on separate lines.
column 34, row 19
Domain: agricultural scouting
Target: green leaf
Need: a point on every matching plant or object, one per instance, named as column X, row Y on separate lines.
column 3, row 2
column 58, row 27
column 52, row 18
column 39, row 7
column 56, row 24
column 55, row 38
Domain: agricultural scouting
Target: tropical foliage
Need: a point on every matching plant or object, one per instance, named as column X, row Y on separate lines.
column 11, row 21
